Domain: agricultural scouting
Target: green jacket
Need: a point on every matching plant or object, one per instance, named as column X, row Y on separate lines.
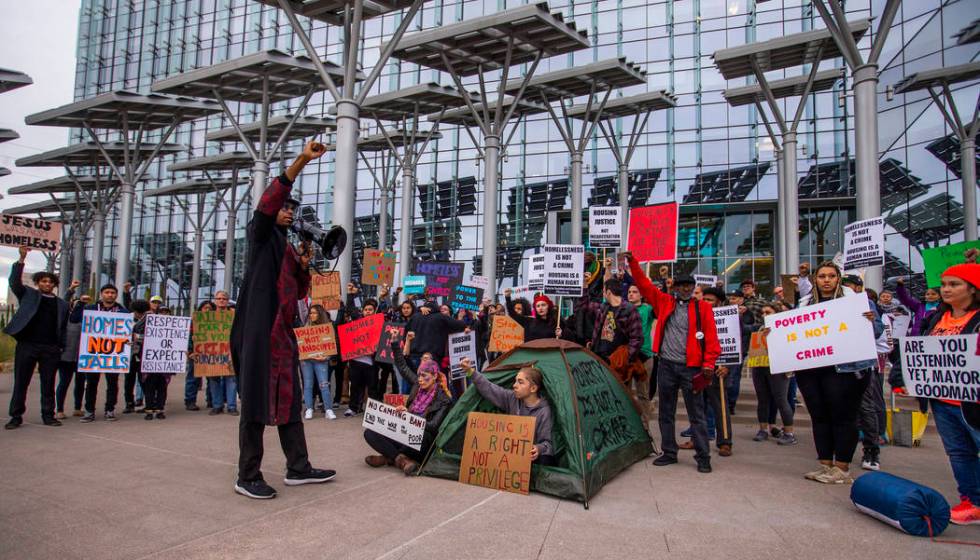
column 646, row 320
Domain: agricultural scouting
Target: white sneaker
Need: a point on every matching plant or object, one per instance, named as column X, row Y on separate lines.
column 348, row 413
column 309, row 414
column 330, row 415
column 870, row 465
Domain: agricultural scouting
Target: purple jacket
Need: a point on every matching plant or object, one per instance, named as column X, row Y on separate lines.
column 918, row 308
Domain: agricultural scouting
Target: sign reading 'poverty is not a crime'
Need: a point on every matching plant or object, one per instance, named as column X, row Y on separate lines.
column 564, row 267
column 106, row 342
column 212, row 343
column 941, row 367
column 35, row 233
column 824, row 334
column 605, row 226
column 864, row 244
column 497, row 452
column 729, row 334
column 165, row 339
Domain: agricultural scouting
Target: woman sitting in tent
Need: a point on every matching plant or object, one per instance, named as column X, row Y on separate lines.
column 429, row 398
column 524, row 400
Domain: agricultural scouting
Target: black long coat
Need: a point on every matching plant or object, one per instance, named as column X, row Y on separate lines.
column 264, row 352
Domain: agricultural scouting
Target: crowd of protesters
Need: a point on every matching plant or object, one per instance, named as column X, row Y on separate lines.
column 656, row 332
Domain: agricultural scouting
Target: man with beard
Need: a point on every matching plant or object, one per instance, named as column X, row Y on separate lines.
column 263, row 347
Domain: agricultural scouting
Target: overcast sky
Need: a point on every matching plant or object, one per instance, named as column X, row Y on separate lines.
column 37, row 37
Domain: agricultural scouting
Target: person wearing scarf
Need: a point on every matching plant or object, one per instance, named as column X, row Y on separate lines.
column 429, row 398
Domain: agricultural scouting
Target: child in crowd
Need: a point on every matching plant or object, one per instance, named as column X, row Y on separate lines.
column 525, row 399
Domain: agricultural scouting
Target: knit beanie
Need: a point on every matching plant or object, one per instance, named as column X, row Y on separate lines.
column 969, row 273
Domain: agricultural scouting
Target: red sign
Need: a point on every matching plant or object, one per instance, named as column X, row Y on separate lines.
column 653, row 233
column 360, row 338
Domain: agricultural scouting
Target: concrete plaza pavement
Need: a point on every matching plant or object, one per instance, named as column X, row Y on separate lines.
column 134, row 489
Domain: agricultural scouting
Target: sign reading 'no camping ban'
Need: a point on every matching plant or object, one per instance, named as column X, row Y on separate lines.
column 605, row 226
column 563, row 270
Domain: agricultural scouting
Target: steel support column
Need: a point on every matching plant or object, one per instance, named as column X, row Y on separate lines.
column 408, row 215
column 968, row 170
column 867, row 174
column 576, row 192
column 491, row 158
column 791, row 205
column 345, row 178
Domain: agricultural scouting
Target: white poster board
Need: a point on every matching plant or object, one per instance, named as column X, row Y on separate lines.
column 824, row 334
column 165, row 344
column 406, row 429
column 106, row 342
column 864, row 244
column 535, row 276
column 941, row 367
column 461, row 345
column 707, row 280
column 900, row 324
column 563, row 270
column 729, row 335
column 478, row 281
column 605, row 226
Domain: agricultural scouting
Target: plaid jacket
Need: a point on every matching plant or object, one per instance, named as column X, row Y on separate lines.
column 627, row 320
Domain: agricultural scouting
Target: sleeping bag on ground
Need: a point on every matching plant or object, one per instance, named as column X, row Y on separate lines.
column 901, row 503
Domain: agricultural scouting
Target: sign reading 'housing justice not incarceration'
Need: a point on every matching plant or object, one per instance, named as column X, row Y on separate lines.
column 605, row 226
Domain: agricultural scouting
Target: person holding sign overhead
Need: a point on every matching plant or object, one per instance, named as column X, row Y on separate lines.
column 544, row 324
column 264, row 351
column 429, row 398
column 833, row 393
column 39, row 329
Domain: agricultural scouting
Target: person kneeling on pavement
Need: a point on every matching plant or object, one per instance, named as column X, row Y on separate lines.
column 429, row 398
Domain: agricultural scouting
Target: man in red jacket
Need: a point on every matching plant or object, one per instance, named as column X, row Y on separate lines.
column 687, row 343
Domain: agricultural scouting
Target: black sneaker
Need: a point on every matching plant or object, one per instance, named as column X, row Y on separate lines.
column 215, row 411
column 149, row 416
column 161, row 416
column 129, row 409
column 13, row 423
column 314, row 476
column 232, row 413
column 704, row 466
column 664, row 460
column 775, row 432
column 192, row 407
column 256, row 489
column 51, row 422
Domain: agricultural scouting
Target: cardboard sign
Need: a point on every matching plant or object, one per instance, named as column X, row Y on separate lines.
column 497, row 452
column 461, row 345
column 939, row 259
column 165, row 341
column 35, row 233
column 481, row 282
column 404, row 428
column 466, row 297
column 379, row 268
column 360, row 338
column 212, row 343
column 864, row 244
column 758, row 351
column 535, row 275
column 440, row 277
column 824, row 334
column 522, row 292
column 505, row 334
column 391, row 333
column 563, row 270
column 413, row 285
column 786, row 281
column 941, row 367
column 396, row 399
column 605, row 226
column 316, row 342
column 729, row 335
column 653, row 233
column 106, row 342
column 325, row 290
column 707, row 280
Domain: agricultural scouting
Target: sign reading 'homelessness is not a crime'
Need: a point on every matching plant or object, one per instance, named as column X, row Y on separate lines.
column 941, row 367
column 563, row 270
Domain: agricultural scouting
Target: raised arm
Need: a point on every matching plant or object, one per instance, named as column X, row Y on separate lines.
column 500, row 397
column 17, row 274
column 648, row 289
column 400, row 362
column 522, row 320
column 907, row 299
column 274, row 197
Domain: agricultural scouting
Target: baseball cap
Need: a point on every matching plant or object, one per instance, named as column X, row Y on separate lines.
column 156, row 299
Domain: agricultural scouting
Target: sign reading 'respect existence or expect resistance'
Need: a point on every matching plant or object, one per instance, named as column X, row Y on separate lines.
column 165, row 341
column 497, row 452
column 941, row 367
column 823, row 334
column 564, row 267
column 21, row 231
column 106, row 342
column 864, row 244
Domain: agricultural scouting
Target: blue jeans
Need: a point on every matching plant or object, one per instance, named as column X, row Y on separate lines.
column 962, row 445
column 191, row 385
column 315, row 372
column 224, row 390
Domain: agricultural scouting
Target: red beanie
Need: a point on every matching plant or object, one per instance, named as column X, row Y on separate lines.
column 969, row 273
column 544, row 298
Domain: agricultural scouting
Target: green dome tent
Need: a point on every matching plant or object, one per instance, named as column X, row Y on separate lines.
column 597, row 430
